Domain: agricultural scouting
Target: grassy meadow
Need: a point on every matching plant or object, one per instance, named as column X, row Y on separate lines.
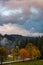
column 29, row 63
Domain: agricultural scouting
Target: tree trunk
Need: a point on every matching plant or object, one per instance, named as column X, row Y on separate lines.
column 1, row 60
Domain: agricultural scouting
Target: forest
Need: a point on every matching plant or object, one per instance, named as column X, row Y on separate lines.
column 21, row 47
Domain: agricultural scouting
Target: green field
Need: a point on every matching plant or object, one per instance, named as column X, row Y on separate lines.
column 29, row 63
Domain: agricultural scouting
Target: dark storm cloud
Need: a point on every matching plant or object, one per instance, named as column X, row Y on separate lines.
column 4, row 0
column 28, row 14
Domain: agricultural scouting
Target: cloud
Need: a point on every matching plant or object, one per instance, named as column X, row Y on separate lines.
column 16, row 29
column 8, row 12
column 26, row 13
column 11, row 15
column 37, row 34
column 17, row 15
column 11, row 12
column 33, row 26
column 4, row 0
column 18, row 12
column 13, row 29
column 34, row 10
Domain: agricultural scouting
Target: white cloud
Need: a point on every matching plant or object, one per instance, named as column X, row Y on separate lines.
column 4, row 11
column 35, row 13
column 37, row 34
column 16, row 29
column 13, row 29
column 34, row 10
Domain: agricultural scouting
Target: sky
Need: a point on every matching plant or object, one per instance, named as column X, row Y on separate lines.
column 22, row 17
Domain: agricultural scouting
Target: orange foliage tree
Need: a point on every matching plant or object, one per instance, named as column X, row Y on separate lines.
column 23, row 53
column 3, row 54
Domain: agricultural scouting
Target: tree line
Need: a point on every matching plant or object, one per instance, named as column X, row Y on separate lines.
column 30, row 51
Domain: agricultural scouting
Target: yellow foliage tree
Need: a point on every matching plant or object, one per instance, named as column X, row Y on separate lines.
column 13, row 53
column 33, row 50
column 17, row 52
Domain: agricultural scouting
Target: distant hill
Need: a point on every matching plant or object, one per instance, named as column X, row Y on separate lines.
column 10, row 41
column 20, row 40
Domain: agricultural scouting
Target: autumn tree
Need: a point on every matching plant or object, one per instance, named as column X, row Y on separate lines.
column 3, row 54
column 33, row 50
column 15, row 52
column 24, row 53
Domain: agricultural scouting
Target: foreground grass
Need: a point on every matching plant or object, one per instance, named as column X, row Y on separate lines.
column 29, row 63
